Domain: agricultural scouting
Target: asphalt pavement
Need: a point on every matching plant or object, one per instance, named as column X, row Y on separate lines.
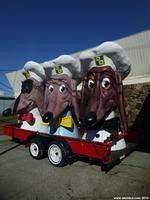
column 23, row 178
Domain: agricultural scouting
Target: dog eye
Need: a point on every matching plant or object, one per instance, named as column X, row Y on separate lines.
column 62, row 88
column 91, row 83
column 105, row 83
column 51, row 88
column 27, row 86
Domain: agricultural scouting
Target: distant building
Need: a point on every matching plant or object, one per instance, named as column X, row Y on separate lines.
column 137, row 84
column 138, row 49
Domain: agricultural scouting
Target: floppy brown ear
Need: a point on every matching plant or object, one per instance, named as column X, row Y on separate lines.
column 121, row 105
column 12, row 110
column 45, row 101
column 39, row 97
column 14, row 105
column 83, row 99
column 74, row 98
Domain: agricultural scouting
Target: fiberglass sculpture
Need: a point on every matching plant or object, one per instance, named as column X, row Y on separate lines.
column 61, row 110
column 102, row 93
column 29, row 104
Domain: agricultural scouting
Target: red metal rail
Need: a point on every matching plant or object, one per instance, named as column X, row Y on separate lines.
column 100, row 151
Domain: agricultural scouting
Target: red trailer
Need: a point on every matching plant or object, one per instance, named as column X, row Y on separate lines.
column 60, row 149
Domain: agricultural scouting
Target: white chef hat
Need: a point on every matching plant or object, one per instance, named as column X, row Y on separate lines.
column 109, row 53
column 101, row 61
column 34, row 70
column 66, row 64
column 93, row 60
column 117, row 55
column 60, row 70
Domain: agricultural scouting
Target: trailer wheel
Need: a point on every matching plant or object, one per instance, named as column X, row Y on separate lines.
column 58, row 154
column 37, row 149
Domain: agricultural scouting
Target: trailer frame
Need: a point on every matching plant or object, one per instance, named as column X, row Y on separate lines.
column 63, row 148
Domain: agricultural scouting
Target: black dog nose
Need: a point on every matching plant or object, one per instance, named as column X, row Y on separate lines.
column 90, row 118
column 47, row 117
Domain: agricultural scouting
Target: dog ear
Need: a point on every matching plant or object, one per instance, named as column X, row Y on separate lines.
column 121, row 105
column 45, row 100
column 12, row 110
column 39, row 98
column 84, row 97
column 74, row 98
column 15, row 105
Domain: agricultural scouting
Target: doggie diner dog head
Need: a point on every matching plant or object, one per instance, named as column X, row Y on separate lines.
column 60, row 92
column 102, row 87
column 32, row 90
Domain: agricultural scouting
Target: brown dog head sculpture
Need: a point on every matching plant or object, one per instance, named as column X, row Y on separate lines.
column 102, row 90
column 32, row 96
column 60, row 91
column 60, row 95
column 32, row 90
column 101, row 93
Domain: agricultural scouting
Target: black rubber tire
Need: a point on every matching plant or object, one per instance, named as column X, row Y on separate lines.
column 58, row 153
column 37, row 149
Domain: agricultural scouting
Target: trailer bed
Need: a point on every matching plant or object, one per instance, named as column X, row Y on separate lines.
column 77, row 146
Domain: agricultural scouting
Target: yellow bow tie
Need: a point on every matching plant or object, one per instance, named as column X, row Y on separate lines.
column 62, row 121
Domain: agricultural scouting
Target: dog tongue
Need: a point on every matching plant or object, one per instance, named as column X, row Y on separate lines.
column 28, row 118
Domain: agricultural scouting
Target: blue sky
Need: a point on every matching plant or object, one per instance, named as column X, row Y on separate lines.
column 41, row 30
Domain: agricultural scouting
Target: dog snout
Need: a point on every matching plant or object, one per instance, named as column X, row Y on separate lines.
column 90, row 119
column 47, row 117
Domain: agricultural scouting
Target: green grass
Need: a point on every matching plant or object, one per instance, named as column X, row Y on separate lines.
column 7, row 120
